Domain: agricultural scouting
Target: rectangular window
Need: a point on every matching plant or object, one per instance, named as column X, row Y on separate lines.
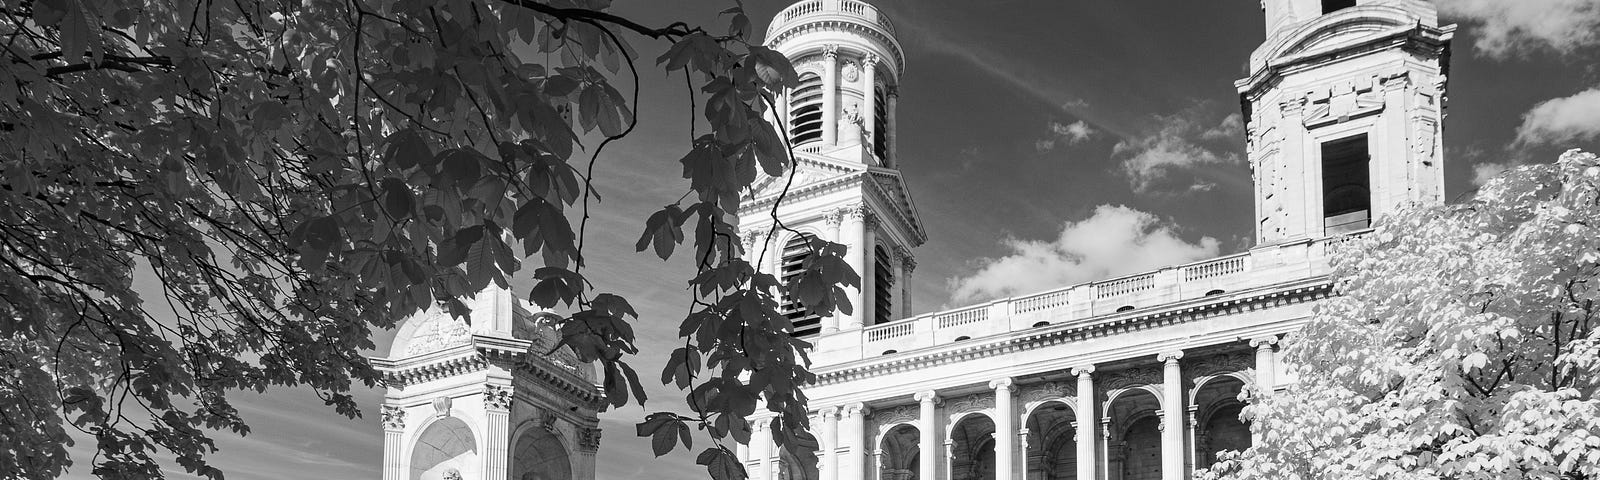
column 1330, row 6
column 883, row 278
column 1346, row 189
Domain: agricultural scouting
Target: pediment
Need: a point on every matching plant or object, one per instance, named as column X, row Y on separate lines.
column 1337, row 29
column 807, row 172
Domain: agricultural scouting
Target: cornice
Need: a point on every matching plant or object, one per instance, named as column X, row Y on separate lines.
column 904, row 210
column 512, row 354
column 1404, row 36
column 846, row 25
column 1313, row 289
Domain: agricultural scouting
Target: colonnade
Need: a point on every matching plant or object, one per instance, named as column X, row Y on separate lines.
column 1105, row 412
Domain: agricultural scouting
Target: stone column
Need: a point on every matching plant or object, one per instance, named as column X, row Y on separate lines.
column 1171, row 416
column 588, row 445
column 908, row 264
column 869, row 279
column 829, row 442
column 1005, row 434
column 928, row 427
column 830, row 95
column 1266, row 363
column 497, row 450
column 893, row 92
column 394, row 429
column 761, row 449
column 830, row 323
column 869, row 103
column 852, row 441
column 851, row 234
column 1085, row 413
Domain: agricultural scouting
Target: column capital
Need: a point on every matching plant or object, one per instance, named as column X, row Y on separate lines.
column 828, row 412
column 891, row 91
column 830, row 51
column 870, row 60
column 834, row 217
column 927, row 396
column 394, row 417
column 1170, row 357
column 857, row 408
column 497, row 397
column 1266, row 341
column 1083, row 371
column 1004, row 383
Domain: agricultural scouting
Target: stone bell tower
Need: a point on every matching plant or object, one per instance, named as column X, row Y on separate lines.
column 484, row 400
column 847, row 185
column 1344, row 104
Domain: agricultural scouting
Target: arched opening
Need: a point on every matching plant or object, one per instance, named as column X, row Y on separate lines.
column 1135, row 435
column 805, row 110
column 790, row 468
column 1215, row 292
column 806, row 323
column 1040, row 324
column 1125, row 308
column 880, row 125
column 972, row 448
column 901, row 457
column 883, row 278
column 1052, row 444
column 963, row 337
column 539, row 455
column 446, row 450
column 886, row 352
column 1218, row 427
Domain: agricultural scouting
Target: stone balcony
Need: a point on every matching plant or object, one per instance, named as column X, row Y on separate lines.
column 824, row 10
column 1260, row 267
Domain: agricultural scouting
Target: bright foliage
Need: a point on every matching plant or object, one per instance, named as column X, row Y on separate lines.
column 1461, row 344
column 294, row 174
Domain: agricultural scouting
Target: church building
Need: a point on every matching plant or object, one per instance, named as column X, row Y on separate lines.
column 1132, row 378
column 1129, row 378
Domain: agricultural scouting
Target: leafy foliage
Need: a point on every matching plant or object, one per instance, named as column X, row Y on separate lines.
column 294, row 174
column 1462, row 345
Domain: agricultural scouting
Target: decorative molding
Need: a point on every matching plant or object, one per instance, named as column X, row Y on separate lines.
column 1132, row 377
column 548, row 419
column 438, row 331
column 895, row 415
column 1047, row 391
column 497, row 397
column 834, row 217
column 1221, row 364
column 851, row 72
column 394, row 417
column 976, row 402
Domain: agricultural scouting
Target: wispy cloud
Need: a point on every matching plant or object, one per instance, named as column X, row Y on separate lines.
column 1509, row 28
column 1562, row 120
column 1483, row 172
column 1114, row 240
column 1065, row 134
column 1165, row 160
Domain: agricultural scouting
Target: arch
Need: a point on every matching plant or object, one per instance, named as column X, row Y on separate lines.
column 1051, row 452
column 443, row 447
column 972, row 447
column 1217, row 424
column 1141, row 448
column 963, row 337
column 1349, row 21
column 899, row 453
column 805, row 110
column 540, row 453
column 791, row 468
column 1124, row 308
column 890, row 352
column 1040, row 324
column 1216, row 291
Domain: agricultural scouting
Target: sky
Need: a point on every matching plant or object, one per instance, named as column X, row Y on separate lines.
column 1108, row 132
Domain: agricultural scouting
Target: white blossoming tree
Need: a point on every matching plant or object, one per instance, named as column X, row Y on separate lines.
column 1461, row 345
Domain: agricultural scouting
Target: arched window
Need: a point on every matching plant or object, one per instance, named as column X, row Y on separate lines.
column 1125, row 308
column 880, row 125
column 805, row 110
column 806, row 323
column 883, row 298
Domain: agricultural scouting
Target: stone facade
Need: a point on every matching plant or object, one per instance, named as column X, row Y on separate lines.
column 1137, row 377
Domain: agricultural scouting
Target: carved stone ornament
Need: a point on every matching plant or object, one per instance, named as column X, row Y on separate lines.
column 441, row 406
column 438, row 331
column 1047, row 391
column 894, row 415
column 834, row 217
column 394, row 418
column 589, row 439
column 830, row 50
column 497, row 397
column 1133, row 377
column 852, row 72
column 1224, row 363
column 452, row 474
column 547, row 420
column 972, row 403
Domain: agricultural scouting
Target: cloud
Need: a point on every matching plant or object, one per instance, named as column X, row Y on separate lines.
column 1069, row 134
column 1513, row 27
column 1562, row 120
column 1167, row 160
column 1114, row 240
column 1483, row 172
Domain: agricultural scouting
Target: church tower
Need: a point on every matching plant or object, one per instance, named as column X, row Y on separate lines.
column 1344, row 106
column 847, row 186
column 484, row 401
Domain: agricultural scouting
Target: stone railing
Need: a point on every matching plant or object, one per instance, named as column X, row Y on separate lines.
column 1259, row 267
column 818, row 8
